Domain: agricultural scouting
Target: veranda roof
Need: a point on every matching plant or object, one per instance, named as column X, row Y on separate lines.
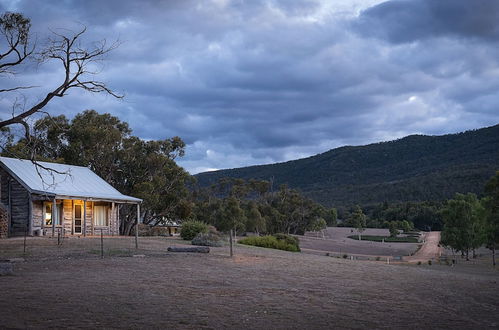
column 71, row 181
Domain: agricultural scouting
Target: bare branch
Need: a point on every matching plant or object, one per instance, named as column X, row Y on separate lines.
column 75, row 60
column 16, row 88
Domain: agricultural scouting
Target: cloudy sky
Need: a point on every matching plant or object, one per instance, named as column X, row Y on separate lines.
column 247, row 82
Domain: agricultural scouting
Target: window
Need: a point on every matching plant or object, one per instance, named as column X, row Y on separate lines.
column 100, row 215
column 48, row 214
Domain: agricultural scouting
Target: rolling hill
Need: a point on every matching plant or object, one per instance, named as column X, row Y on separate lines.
column 414, row 168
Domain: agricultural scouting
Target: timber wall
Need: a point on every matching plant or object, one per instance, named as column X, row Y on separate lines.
column 66, row 228
column 16, row 200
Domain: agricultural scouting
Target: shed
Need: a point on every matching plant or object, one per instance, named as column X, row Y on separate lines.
column 51, row 198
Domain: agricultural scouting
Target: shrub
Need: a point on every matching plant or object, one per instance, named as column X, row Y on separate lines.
column 279, row 242
column 419, row 262
column 190, row 229
column 345, row 256
column 208, row 239
column 429, row 262
column 288, row 239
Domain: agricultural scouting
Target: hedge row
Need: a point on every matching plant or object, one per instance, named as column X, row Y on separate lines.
column 278, row 241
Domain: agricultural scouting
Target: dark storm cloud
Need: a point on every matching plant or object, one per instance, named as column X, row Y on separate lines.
column 249, row 82
column 410, row 20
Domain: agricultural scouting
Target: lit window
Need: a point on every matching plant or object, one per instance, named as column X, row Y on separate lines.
column 48, row 214
column 100, row 215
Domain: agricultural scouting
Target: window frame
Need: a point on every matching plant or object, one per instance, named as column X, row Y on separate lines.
column 106, row 213
column 60, row 214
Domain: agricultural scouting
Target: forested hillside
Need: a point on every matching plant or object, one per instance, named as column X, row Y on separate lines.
column 414, row 168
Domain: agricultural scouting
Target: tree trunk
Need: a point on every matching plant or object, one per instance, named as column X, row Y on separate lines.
column 467, row 255
column 128, row 227
column 230, row 243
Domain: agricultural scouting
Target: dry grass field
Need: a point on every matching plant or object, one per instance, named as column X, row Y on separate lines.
column 70, row 286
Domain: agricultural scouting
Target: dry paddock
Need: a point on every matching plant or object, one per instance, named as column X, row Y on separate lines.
column 70, row 286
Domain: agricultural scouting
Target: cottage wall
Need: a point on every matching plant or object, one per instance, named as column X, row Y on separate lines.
column 16, row 199
column 66, row 226
column 37, row 215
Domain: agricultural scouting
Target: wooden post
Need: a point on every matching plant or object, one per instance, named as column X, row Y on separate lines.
column 112, row 223
column 92, row 219
column 101, row 243
column 230, row 243
column 30, row 214
column 24, row 245
column 9, row 192
column 54, row 216
column 118, row 217
column 84, row 218
column 137, row 227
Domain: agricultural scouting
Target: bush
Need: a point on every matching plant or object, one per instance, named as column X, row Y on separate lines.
column 208, row 239
column 288, row 239
column 190, row 229
column 278, row 241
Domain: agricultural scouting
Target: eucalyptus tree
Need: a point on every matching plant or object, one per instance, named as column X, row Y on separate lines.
column 464, row 227
column 357, row 220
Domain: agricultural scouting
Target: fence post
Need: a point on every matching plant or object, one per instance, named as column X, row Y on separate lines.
column 101, row 244
column 24, row 244
column 230, row 243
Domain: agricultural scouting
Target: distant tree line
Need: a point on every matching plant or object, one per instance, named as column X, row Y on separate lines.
column 253, row 206
column 405, row 216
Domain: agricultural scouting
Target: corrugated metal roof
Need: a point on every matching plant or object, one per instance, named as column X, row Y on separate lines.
column 72, row 181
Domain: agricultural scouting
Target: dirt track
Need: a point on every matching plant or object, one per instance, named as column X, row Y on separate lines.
column 70, row 286
column 430, row 249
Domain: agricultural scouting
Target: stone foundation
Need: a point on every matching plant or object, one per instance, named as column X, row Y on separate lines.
column 4, row 222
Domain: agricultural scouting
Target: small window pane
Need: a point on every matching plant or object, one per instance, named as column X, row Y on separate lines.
column 48, row 214
column 60, row 214
column 100, row 215
column 78, row 211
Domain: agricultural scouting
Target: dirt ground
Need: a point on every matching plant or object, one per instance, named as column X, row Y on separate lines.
column 430, row 250
column 336, row 241
column 70, row 286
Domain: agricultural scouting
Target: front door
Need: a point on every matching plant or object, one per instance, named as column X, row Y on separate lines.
column 78, row 219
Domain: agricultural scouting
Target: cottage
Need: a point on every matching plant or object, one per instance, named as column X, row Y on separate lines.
column 51, row 198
